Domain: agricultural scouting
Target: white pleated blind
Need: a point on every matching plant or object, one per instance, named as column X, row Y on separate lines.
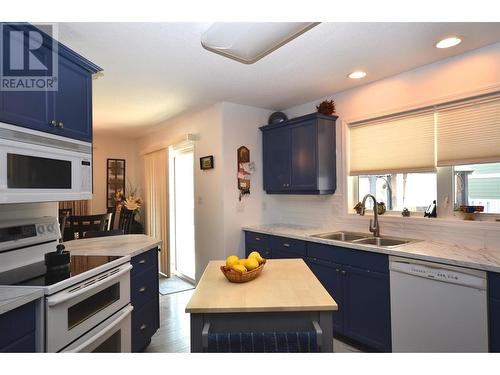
column 469, row 133
column 392, row 145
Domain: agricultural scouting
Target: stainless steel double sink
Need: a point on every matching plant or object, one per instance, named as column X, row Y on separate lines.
column 364, row 238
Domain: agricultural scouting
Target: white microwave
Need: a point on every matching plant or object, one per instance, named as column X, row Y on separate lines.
column 41, row 167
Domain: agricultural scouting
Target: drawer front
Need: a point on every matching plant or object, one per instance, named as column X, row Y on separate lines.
column 145, row 323
column 494, row 285
column 144, row 287
column 264, row 251
column 289, row 245
column 357, row 258
column 16, row 324
column 26, row 344
column 144, row 261
column 257, row 238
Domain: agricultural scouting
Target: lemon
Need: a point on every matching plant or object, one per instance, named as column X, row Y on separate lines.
column 251, row 263
column 256, row 255
column 231, row 260
column 239, row 267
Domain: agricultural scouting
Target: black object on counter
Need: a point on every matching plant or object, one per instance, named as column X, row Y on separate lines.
column 58, row 265
column 431, row 210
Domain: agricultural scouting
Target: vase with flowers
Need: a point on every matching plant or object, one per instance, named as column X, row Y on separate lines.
column 133, row 203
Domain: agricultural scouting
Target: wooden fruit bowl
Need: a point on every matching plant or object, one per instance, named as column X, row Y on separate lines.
column 239, row 277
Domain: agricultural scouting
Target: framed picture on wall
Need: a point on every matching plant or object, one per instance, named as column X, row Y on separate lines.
column 115, row 180
column 207, row 162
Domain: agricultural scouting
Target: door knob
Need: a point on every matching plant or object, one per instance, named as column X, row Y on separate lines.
column 53, row 123
column 60, row 124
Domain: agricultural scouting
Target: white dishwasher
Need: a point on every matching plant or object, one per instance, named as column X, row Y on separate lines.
column 437, row 308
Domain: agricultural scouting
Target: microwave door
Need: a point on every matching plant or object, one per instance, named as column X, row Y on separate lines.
column 33, row 172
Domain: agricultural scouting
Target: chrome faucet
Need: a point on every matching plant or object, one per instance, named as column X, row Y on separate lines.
column 374, row 225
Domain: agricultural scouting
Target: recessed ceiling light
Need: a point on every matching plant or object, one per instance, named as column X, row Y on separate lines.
column 448, row 42
column 357, row 74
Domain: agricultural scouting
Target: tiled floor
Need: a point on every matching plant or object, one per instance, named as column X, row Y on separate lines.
column 173, row 335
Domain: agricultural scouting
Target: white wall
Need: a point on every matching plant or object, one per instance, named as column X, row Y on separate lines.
column 240, row 128
column 461, row 75
column 220, row 130
column 108, row 146
column 208, row 184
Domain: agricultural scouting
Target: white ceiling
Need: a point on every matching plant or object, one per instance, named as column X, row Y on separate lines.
column 156, row 71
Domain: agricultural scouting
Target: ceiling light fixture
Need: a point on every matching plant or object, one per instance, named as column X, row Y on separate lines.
column 357, row 74
column 448, row 42
column 247, row 42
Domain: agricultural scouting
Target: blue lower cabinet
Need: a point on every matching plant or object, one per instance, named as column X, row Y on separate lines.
column 280, row 254
column 494, row 307
column 144, row 295
column 494, row 311
column 17, row 330
column 329, row 274
column 367, row 309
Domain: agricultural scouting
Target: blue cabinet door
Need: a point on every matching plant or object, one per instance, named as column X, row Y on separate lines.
column 73, row 101
column 276, row 159
column 329, row 274
column 303, row 141
column 367, row 308
column 494, row 325
column 30, row 109
column 280, row 254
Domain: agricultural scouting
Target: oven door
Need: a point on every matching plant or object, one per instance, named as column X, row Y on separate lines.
column 111, row 336
column 78, row 309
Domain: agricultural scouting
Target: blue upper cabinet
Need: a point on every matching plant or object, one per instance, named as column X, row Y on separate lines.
column 299, row 155
column 66, row 111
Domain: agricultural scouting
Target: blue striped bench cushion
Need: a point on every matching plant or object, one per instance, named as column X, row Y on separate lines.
column 266, row 342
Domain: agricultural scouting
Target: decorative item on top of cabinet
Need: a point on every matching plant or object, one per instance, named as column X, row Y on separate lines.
column 326, row 107
column 245, row 168
column 406, row 212
column 276, row 118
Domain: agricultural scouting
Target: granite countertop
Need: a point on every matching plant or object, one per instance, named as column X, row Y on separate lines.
column 12, row 297
column 482, row 259
column 283, row 285
column 129, row 244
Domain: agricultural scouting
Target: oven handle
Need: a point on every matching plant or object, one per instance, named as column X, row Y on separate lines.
column 124, row 313
column 55, row 300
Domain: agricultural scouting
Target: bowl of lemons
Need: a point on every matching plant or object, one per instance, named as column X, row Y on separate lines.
column 239, row 270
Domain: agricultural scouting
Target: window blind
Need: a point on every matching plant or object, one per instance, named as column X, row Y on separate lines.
column 392, row 145
column 469, row 133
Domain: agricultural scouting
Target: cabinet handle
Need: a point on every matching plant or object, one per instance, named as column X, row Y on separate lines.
column 343, row 272
column 286, row 245
column 53, row 123
column 60, row 124
column 337, row 270
column 142, row 261
column 142, row 289
column 143, row 327
column 257, row 238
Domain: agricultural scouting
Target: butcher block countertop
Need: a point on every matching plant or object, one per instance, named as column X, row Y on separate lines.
column 284, row 285
column 129, row 244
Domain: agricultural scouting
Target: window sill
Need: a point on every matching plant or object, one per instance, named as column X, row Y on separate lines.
column 444, row 222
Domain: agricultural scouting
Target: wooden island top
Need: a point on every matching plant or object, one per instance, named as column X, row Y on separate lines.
column 284, row 285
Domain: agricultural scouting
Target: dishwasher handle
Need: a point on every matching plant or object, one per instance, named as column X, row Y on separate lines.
column 442, row 273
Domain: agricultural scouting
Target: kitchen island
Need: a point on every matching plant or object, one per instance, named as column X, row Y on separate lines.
column 286, row 297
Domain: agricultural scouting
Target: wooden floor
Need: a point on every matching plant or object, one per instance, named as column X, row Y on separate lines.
column 173, row 335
